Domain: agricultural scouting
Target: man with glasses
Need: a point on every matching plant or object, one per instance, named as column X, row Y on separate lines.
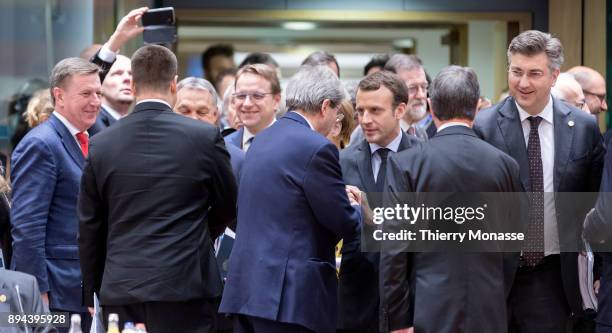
column 594, row 88
column 568, row 90
column 256, row 98
column 558, row 149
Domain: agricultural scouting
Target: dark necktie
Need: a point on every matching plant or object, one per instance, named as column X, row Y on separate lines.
column 83, row 142
column 382, row 171
column 411, row 130
column 533, row 249
column 248, row 144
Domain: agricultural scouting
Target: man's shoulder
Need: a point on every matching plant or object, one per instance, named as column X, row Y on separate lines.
column 485, row 116
column 12, row 277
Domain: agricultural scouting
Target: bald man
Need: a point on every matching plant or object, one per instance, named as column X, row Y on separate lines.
column 569, row 90
column 594, row 87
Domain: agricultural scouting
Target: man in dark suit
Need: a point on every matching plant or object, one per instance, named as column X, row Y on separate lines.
column 558, row 148
column 447, row 292
column 20, row 294
column 157, row 188
column 47, row 167
column 598, row 233
column 116, row 72
column 292, row 211
column 381, row 103
column 256, row 99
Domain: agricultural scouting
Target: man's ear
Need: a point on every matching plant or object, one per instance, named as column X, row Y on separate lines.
column 58, row 95
column 400, row 111
column 133, row 87
column 325, row 107
column 173, row 85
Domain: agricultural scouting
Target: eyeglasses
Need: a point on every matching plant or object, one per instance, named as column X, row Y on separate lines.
column 532, row 75
column 414, row 88
column 601, row 97
column 255, row 96
column 339, row 117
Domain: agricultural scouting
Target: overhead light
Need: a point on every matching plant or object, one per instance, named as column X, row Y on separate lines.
column 299, row 25
column 404, row 43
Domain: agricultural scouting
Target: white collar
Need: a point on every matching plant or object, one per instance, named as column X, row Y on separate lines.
column 154, row 100
column 451, row 123
column 248, row 135
column 71, row 128
column 112, row 111
column 308, row 121
column 546, row 114
column 393, row 145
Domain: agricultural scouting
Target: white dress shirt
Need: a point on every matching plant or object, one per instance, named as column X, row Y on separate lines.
column 547, row 146
column 451, row 123
column 247, row 135
column 71, row 128
column 376, row 160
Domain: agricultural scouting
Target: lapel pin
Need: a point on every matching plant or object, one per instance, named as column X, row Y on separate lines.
column 2, row 298
column 570, row 123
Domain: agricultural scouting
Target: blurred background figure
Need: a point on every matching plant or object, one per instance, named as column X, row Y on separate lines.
column 39, row 108
column 216, row 59
column 18, row 104
column 323, row 58
column 376, row 64
column 569, row 91
column 593, row 86
column 230, row 122
column 340, row 134
column 224, row 80
column 483, row 103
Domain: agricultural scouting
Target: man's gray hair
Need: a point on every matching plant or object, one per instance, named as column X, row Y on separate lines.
column 64, row 69
column 454, row 93
column 193, row 82
column 405, row 62
column 225, row 104
column 310, row 86
column 534, row 42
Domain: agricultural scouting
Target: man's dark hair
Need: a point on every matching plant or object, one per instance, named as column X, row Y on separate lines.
column 224, row 50
column 258, row 58
column 376, row 61
column 321, row 58
column 388, row 80
column 153, row 68
column 454, row 93
column 223, row 74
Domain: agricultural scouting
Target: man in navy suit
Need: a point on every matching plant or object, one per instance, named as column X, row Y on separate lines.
column 598, row 232
column 47, row 168
column 558, row 148
column 381, row 103
column 292, row 210
column 256, row 99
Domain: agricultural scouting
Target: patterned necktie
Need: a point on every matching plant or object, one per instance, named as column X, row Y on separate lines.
column 382, row 171
column 83, row 142
column 533, row 249
column 411, row 130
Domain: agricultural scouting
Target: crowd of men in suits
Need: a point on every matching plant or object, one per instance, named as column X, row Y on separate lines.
column 129, row 205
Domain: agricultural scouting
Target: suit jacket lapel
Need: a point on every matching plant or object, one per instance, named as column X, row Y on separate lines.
column 364, row 164
column 564, row 136
column 509, row 124
column 68, row 141
column 404, row 143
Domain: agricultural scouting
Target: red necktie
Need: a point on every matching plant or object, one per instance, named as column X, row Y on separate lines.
column 83, row 142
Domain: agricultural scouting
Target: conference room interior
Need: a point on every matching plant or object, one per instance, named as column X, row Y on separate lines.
column 467, row 33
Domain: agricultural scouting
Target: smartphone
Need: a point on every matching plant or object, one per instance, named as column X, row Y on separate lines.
column 159, row 16
column 159, row 26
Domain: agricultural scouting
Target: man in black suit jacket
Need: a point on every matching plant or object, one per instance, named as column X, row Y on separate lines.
column 567, row 152
column 157, row 188
column 381, row 103
column 447, row 291
column 116, row 72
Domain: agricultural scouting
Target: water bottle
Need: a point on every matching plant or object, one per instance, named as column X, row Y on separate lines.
column 113, row 323
column 75, row 324
column 128, row 327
